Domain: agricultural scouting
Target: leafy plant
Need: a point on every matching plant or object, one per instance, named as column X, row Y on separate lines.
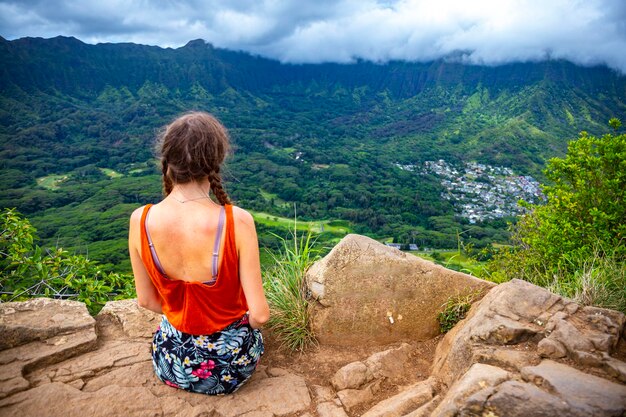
column 455, row 309
column 27, row 270
column 575, row 244
column 285, row 290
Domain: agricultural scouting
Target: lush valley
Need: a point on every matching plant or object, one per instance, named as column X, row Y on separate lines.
column 78, row 122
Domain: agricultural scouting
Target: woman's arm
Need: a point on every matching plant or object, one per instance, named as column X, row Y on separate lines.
column 250, row 268
column 147, row 295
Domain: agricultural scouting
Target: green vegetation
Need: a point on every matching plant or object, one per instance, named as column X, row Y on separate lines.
column 27, row 270
column 457, row 261
column 285, row 290
column 455, row 309
column 575, row 244
column 324, row 137
column 52, row 182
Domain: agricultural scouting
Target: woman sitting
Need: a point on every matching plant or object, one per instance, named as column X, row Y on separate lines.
column 197, row 262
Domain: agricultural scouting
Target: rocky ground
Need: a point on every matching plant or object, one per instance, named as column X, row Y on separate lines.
column 521, row 352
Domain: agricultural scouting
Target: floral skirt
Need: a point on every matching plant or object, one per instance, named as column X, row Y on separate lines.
column 213, row 364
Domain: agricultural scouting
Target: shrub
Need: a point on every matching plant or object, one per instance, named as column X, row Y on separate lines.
column 575, row 244
column 27, row 270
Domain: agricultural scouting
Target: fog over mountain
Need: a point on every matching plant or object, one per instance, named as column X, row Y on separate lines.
column 484, row 31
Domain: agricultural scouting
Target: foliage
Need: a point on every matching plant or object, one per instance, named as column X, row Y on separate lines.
column 455, row 309
column 323, row 136
column 576, row 242
column 29, row 271
column 285, row 290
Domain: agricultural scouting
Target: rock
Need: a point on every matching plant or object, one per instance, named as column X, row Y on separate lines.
column 588, row 336
column 127, row 317
column 370, row 293
column 584, row 393
column 30, row 345
column 518, row 312
column 59, row 399
column 403, row 403
column 515, row 399
column 328, row 409
column 322, row 394
column 386, row 364
column 477, row 378
column 287, row 394
column 353, row 375
column 427, row 409
column 505, row 358
column 41, row 319
column 351, row 398
column 389, row 363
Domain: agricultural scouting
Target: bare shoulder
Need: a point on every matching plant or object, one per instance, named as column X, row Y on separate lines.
column 135, row 218
column 243, row 217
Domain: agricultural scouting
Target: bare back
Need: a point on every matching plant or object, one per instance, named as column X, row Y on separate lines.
column 183, row 236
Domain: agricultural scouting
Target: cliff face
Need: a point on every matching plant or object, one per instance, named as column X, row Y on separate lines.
column 521, row 351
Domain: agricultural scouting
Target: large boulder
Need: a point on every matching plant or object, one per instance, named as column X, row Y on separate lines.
column 367, row 292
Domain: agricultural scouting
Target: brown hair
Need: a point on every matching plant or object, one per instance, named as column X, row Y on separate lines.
column 193, row 147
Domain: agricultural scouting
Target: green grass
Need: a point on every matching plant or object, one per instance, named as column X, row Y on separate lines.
column 285, row 290
column 455, row 309
column 338, row 227
column 454, row 260
column 52, row 182
column 110, row 173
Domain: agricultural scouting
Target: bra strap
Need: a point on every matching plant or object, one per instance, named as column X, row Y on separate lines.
column 216, row 247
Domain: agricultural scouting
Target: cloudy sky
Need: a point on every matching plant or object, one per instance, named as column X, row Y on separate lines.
column 478, row 31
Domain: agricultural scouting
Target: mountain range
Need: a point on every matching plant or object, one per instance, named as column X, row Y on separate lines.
column 78, row 122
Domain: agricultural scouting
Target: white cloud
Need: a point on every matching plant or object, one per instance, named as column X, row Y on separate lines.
column 485, row 31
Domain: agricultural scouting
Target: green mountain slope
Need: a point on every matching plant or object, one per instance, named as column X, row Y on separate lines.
column 327, row 137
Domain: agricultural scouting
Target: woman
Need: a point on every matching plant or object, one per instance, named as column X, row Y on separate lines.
column 197, row 262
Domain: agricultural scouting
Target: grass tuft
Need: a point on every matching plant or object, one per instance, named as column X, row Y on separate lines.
column 286, row 294
column 455, row 309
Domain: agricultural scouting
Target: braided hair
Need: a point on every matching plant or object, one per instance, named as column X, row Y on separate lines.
column 193, row 147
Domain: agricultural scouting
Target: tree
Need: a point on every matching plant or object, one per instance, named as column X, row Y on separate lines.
column 583, row 223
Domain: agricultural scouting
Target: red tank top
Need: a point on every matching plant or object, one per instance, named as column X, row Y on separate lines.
column 195, row 307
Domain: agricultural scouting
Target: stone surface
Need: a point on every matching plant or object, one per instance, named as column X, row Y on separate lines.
column 126, row 316
column 353, row 375
column 352, row 398
column 515, row 399
column 585, row 394
column 512, row 327
column 478, row 377
column 369, row 292
column 492, row 363
column 329, row 409
column 388, row 363
column 40, row 319
column 518, row 313
column 322, row 394
column 403, row 403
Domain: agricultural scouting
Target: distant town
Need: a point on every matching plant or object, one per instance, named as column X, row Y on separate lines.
column 480, row 192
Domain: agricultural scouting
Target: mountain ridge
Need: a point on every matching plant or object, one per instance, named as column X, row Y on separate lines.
column 324, row 137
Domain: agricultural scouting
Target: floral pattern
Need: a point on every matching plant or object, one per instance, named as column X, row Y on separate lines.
column 210, row 364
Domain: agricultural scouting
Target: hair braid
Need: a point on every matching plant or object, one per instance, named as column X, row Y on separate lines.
column 216, row 186
column 167, row 181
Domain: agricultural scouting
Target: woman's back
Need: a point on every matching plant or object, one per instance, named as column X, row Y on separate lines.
column 184, row 238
